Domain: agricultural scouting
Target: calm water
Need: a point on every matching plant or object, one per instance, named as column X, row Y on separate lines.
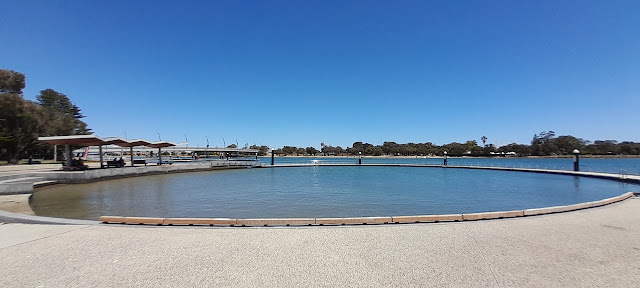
column 321, row 192
column 608, row 165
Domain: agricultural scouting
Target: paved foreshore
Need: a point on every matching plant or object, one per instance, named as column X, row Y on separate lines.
column 22, row 179
column 593, row 248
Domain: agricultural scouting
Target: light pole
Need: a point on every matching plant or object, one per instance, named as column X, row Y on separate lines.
column 445, row 158
column 359, row 158
column 576, row 160
column 207, row 147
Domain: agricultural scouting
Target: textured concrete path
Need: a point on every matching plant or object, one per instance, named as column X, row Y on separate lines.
column 598, row 247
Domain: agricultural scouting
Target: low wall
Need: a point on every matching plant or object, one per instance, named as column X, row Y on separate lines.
column 15, row 188
column 110, row 173
column 360, row 220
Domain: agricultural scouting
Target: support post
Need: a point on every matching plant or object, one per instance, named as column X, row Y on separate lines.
column 55, row 153
column 445, row 158
column 131, row 151
column 272, row 159
column 359, row 158
column 101, row 157
column 256, row 156
column 576, row 160
column 67, row 152
column 159, row 156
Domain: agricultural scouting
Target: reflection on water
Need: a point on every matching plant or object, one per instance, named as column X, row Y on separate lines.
column 321, row 192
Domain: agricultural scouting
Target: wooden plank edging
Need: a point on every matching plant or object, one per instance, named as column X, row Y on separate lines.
column 362, row 220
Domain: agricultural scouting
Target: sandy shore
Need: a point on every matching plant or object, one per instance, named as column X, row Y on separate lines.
column 17, row 203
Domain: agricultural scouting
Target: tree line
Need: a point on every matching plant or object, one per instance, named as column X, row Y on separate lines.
column 22, row 121
column 544, row 144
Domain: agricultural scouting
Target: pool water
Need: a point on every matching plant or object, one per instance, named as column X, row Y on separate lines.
column 321, row 192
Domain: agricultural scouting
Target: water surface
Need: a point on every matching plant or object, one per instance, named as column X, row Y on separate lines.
column 321, row 192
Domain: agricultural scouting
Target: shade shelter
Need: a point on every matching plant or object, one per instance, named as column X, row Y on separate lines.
column 160, row 145
column 84, row 140
column 131, row 144
column 93, row 140
column 107, row 141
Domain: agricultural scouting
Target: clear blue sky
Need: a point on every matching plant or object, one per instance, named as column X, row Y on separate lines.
column 304, row 72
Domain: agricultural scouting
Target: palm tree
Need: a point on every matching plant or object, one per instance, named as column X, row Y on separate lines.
column 484, row 141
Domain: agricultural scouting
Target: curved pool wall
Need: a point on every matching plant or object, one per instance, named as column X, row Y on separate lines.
column 381, row 197
column 630, row 166
column 362, row 220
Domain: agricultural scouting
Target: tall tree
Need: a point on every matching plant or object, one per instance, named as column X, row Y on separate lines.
column 20, row 124
column 19, row 121
column 484, row 140
column 60, row 105
column 312, row 151
column 11, row 81
column 23, row 121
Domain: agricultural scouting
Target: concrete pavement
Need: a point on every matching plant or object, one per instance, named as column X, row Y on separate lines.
column 595, row 247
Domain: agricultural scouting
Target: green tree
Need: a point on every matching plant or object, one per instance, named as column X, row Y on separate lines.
column 390, row 148
column 330, row 150
column 519, row 149
column 604, row 147
column 542, row 143
column 11, row 81
column 484, row 140
column 455, row 148
column 262, row 150
column 566, row 144
column 21, row 122
column 289, row 150
column 60, row 105
column 312, row 151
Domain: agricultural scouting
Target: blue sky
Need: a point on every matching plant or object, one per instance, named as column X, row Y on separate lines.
column 304, row 72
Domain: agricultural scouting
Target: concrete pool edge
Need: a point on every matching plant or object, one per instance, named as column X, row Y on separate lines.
column 24, row 218
column 362, row 220
column 34, row 219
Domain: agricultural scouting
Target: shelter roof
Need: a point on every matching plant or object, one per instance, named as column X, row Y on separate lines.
column 132, row 143
column 88, row 140
column 161, row 144
column 94, row 140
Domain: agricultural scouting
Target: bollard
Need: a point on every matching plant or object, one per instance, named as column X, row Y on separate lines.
column 359, row 158
column 576, row 160
column 272, row 157
column 445, row 158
